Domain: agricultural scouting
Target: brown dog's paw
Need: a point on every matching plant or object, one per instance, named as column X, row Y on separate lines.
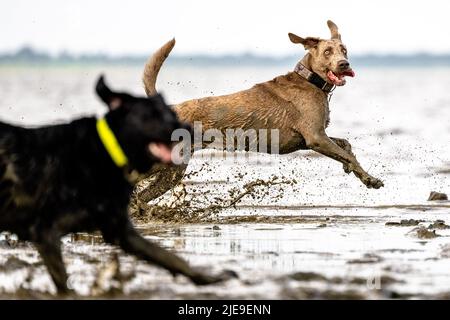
column 372, row 182
column 204, row 279
column 347, row 169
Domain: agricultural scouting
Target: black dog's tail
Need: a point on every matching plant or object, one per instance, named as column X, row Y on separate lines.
column 153, row 65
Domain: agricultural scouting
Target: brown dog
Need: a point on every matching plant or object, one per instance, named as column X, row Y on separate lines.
column 296, row 104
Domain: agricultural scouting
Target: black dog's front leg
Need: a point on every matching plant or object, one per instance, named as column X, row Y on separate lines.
column 50, row 251
column 132, row 242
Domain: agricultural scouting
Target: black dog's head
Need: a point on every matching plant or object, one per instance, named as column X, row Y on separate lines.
column 143, row 126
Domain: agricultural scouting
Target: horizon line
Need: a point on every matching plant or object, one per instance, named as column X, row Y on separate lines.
column 27, row 55
column 28, row 49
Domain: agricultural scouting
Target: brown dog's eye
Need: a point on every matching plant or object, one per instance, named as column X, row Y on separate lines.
column 344, row 51
column 327, row 52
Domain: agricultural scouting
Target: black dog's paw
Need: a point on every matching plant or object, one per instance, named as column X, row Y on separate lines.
column 205, row 279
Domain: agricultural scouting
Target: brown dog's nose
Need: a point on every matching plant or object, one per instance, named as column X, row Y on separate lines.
column 343, row 64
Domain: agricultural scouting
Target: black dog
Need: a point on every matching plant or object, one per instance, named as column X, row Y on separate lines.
column 72, row 177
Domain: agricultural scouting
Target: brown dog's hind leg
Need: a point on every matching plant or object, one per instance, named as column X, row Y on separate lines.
column 162, row 178
column 50, row 251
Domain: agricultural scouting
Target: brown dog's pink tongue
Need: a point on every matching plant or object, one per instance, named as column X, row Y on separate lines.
column 335, row 79
column 349, row 73
column 161, row 151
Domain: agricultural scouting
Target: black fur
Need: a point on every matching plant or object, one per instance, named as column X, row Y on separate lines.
column 60, row 179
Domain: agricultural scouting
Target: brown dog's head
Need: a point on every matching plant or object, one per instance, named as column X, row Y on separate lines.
column 327, row 58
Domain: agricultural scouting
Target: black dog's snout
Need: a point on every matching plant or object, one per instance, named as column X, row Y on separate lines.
column 343, row 64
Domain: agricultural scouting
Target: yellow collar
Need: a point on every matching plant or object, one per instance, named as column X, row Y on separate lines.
column 111, row 144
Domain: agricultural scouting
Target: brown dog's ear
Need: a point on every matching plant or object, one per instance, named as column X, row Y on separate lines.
column 295, row 38
column 308, row 43
column 334, row 30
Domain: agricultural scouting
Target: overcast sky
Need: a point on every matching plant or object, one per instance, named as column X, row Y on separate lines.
column 222, row 27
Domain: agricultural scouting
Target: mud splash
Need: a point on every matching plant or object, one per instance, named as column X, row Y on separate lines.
column 182, row 209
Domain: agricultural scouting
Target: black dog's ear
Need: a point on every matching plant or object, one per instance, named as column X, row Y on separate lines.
column 112, row 100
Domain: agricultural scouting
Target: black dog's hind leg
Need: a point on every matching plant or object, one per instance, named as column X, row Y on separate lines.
column 133, row 243
column 50, row 251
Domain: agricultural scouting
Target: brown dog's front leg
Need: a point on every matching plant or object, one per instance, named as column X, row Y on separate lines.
column 344, row 144
column 133, row 243
column 324, row 145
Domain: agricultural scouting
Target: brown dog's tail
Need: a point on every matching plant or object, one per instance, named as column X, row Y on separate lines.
column 153, row 65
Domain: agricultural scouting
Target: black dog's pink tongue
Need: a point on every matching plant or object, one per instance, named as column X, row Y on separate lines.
column 161, row 151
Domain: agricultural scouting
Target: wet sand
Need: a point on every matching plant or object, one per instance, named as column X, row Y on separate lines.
column 347, row 254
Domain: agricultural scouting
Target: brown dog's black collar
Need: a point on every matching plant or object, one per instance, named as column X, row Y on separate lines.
column 313, row 78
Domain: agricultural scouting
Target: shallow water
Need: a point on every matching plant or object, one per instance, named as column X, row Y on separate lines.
column 323, row 236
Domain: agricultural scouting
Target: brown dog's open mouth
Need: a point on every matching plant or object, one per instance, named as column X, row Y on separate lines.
column 338, row 79
column 161, row 151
